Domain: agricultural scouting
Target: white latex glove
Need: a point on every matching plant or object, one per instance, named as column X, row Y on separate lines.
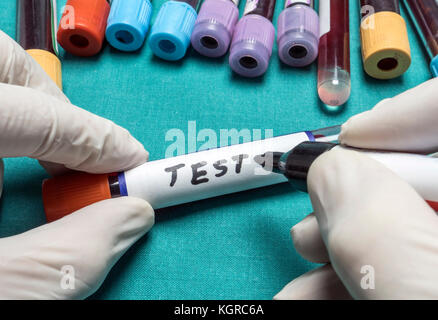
column 365, row 217
column 37, row 121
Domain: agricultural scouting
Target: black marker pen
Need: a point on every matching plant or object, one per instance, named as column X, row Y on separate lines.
column 421, row 172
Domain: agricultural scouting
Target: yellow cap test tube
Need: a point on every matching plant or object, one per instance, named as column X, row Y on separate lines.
column 385, row 45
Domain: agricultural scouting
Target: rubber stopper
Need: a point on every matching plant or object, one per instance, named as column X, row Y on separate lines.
column 214, row 27
column 50, row 63
column 82, row 28
column 128, row 23
column 171, row 32
column 385, row 45
column 64, row 195
column 251, row 47
column 298, row 35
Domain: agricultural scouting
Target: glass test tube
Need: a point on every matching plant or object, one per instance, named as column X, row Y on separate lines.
column 214, row 27
column 424, row 14
column 36, row 32
column 334, row 52
column 128, row 23
column 385, row 45
column 180, row 179
column 253, row 39
column 172, row 29
column 34, row 25
column 82, row 27
column 298, row 33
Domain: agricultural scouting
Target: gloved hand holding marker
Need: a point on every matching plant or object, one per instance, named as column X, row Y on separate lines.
column 376, row 235
column 37, row 121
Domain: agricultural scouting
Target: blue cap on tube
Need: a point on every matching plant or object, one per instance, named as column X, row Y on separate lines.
column 128, row 23
column 171, row 32
column 434, row 66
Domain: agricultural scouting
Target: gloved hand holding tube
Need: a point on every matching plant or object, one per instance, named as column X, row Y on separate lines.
column 376, row 236
column 38, row 121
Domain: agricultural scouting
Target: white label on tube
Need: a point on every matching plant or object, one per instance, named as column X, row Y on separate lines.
column 324, row 17
column 207, row 174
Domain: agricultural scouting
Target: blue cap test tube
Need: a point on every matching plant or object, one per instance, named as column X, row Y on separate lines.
column 172, row 29
column 128, row 23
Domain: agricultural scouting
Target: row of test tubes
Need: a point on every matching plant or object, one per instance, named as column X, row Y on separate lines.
column 302, row 35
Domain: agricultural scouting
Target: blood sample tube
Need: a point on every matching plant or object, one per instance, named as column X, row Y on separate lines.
column 334, row 52
column 172, row 29
column 177, row 180
column 385, row 45
column 298, row 33
column 128, row 23
column 36, row 34
column 214, row 27
column 82, row 27
column 420, row 171
column 424, row 14
column 253, row 38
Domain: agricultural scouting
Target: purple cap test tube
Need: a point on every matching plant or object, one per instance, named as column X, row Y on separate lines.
column 214, row 27
column 298, row 33
column 253, row 38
